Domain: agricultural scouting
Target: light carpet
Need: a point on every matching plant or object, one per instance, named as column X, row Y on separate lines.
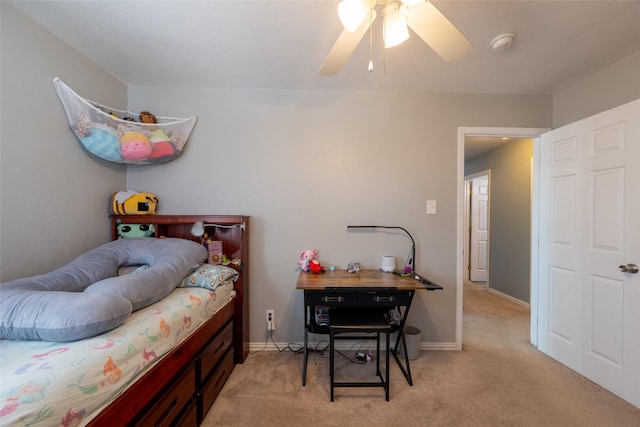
column 498, row 379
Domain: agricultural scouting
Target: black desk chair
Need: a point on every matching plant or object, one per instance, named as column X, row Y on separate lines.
column 359, row 321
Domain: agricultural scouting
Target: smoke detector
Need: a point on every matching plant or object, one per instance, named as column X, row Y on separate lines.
column 502, row 42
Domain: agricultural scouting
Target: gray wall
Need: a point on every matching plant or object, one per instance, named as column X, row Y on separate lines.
column 510, row 221
column 53, row 195
column 305, row 164
column 612, row 86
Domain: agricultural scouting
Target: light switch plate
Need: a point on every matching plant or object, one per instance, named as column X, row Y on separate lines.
column 431, row 207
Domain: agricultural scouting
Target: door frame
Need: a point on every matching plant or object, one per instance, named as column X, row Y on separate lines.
column 467, row 221
column 494, row 132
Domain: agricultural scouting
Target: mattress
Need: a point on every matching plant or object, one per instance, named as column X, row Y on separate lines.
column 48, row 383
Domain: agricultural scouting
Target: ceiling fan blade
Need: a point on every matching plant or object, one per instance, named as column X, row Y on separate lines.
column 437, row 31
column 344, row 47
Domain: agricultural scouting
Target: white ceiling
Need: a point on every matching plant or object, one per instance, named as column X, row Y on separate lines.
column 281, row 44
column 477, row 145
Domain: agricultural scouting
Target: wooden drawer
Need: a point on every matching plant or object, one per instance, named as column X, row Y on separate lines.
column 384, row 299
column 390, row 298
column 190, row 417
column 207, row 395
column 169, row 405
column 332, row 298
column 212, row 353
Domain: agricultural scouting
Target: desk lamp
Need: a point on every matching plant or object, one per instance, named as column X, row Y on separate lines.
column 409, row 266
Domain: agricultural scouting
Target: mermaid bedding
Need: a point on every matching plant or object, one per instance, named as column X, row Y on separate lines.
column 53, row 383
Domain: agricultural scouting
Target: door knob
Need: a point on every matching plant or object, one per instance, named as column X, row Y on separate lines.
column 629, row 268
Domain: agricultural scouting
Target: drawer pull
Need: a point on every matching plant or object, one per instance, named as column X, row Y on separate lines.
column 168, row 412
column 378, row 298
column 328, row 298
column 220, row 347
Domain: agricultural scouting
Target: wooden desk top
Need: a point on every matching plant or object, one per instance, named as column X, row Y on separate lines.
column 365, row 279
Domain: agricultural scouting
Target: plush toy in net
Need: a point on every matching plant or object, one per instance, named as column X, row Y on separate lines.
column 122, row 136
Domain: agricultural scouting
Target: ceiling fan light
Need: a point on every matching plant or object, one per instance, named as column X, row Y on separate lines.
column 395, row 26
column 352, row 13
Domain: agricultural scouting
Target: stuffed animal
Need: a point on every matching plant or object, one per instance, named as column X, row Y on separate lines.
column 161, row 147
column 147, row 117
column 306, row 257
column 134, row 203
column 315, row 266
column 102, row 141
column 353, row 267
column 84, row 123
column 135, row 146
column 126, row 231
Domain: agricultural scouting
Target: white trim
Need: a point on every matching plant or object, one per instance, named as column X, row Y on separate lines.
column 535, row 223
column 509, row 297
column 490, row 132
column 438, row 346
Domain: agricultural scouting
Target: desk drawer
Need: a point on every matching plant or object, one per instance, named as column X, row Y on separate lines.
column 332, row 299
column 384, row 299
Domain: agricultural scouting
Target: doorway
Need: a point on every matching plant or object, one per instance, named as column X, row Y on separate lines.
column 463, row 135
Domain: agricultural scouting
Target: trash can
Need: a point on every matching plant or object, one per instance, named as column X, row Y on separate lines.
column 412, row 338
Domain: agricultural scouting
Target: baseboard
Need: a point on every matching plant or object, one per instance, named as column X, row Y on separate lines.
column 344, row 345
column 448, row 346
column 509, row 297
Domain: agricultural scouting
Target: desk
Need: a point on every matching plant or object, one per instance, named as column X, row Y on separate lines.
column 369, row 288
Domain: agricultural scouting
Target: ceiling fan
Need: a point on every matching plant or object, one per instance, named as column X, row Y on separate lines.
column 421, row 16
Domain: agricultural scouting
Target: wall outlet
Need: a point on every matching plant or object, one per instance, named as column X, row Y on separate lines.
column 271, row 320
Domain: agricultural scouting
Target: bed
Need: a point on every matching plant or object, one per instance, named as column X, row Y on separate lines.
column 164, row 365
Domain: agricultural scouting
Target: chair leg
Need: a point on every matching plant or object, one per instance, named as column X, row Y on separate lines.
column 305, row 357
column 386, row 382
column 378, row 354
column 382, row 381
column 331, row 361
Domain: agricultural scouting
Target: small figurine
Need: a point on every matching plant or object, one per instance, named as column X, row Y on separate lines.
column 353, row 267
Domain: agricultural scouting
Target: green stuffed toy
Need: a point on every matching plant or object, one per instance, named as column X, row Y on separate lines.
column 126, row 231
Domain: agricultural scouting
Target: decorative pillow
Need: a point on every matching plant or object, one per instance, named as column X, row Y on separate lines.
column 209, row 276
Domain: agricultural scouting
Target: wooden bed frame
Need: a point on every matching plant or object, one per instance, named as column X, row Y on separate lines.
column 182, row 386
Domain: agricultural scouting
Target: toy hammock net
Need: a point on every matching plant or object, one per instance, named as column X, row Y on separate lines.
column 121, row 136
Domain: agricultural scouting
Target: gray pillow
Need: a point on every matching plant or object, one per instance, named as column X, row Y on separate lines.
column 83, row 298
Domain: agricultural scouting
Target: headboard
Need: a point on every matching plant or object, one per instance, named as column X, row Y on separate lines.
column 235, row 241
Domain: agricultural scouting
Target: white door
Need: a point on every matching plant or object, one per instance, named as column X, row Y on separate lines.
column 588, row 309
column 478, row 252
